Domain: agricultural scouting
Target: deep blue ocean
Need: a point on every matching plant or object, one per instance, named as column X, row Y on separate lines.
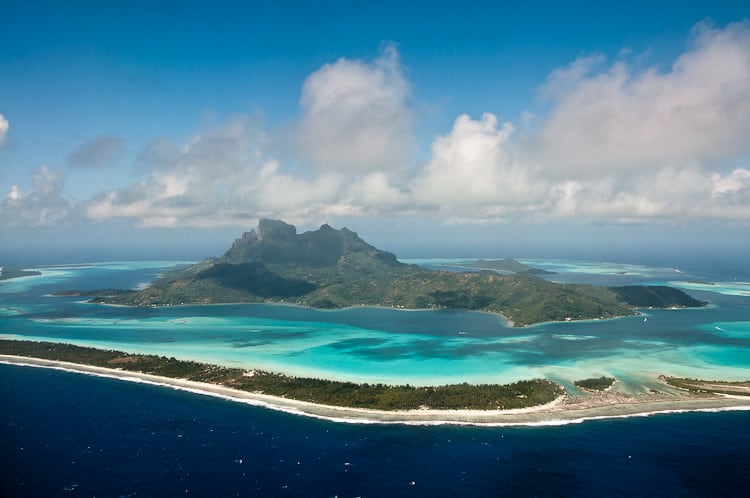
column 66, row 434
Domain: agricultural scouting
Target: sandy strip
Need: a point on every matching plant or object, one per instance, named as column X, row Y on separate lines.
column 563, row 410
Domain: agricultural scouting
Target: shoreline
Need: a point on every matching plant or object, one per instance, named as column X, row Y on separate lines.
column 507, row 322
column 563, row 410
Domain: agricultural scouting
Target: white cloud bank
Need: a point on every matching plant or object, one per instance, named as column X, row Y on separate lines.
column 43, row 205
column 698, row 112
column 220, row 177
column 616, row 144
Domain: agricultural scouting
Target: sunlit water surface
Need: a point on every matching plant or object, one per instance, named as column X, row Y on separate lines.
column 394, row 346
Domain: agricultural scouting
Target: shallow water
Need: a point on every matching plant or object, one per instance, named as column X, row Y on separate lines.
column 392, row 346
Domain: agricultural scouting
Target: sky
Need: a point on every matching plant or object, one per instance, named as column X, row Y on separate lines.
column 165, row 129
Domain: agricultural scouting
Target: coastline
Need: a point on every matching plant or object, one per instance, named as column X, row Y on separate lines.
column 507, row 322
column 563, row 410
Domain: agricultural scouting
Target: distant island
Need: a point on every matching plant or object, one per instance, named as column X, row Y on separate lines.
column 329, row 268
column 8, row 273
column 508, row 265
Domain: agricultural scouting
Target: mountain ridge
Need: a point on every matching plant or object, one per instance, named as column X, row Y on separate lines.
column 278, row 243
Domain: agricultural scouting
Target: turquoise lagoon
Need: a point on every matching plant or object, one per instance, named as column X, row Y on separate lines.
column 393, row 346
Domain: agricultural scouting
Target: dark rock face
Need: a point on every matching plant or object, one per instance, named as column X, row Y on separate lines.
column 275, row 230
column 277, row 243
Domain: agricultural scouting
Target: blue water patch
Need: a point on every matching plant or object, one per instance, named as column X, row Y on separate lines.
column 728, row 330
column 386, row 345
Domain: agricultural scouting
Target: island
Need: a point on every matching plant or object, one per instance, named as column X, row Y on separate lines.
column 595, row 384
column 530, row 402
column 508, row 265
column 320, row 391
column 8, row 273
column 330, row 268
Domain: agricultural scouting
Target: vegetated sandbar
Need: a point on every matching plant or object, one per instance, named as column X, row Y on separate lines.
column 563, row 410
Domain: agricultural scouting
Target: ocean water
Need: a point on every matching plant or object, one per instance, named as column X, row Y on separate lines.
column 66, row 434
column 394, row 346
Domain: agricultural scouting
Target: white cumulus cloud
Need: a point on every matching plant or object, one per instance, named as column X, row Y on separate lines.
column 472, row 172
column 195, row 183
column 356, row 116
column 221, row 176
column 697, row 112
column 42, row 205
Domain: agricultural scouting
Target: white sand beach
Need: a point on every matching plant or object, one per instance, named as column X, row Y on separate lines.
column 563, row 410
